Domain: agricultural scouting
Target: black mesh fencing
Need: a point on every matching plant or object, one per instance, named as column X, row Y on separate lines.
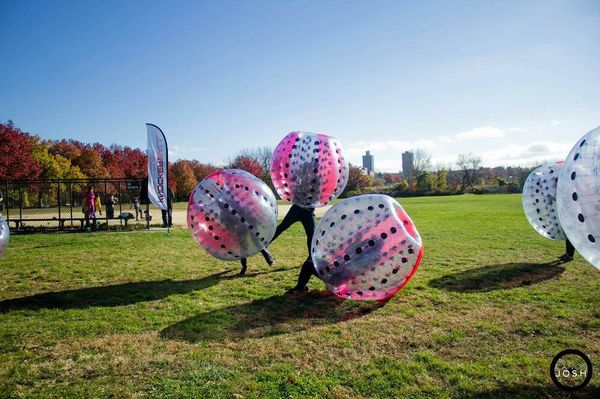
column 37, row 205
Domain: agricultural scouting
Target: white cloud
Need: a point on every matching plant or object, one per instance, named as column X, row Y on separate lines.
column 526, row 154
column 496, row 146
column 183, row 152
column 486, row 132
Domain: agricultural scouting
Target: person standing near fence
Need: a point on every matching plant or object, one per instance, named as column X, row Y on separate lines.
column 110, row 206
column 87, row 206
column 97, row 207
column 137, row 207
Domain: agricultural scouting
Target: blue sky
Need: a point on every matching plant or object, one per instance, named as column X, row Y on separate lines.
column 515, row 82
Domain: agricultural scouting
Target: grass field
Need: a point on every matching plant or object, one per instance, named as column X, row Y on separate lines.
column 143, row 314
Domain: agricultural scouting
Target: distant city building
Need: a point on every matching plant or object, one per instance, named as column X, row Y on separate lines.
column 369, row 163
column 407, row 164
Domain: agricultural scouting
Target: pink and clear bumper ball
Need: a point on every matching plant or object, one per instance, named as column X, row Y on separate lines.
column 578, row 195
column 366, row 248
column 539, row 201
column 4, row 235
column 232, row 214
column 309, row 169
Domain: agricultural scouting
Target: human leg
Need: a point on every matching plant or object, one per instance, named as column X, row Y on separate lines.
column 289, row 219
column 268, row 257
column 244, row 263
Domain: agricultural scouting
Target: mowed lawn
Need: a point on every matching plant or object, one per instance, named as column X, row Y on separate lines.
column 146, row 314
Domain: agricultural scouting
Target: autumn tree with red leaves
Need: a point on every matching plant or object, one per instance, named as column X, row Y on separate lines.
column 248, row 164
column 16, row 160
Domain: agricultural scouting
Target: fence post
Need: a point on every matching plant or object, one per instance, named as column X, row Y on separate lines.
column 7, row 200
column 106, row 203
column 60, row 223
column 147, row 205
column 20, row 202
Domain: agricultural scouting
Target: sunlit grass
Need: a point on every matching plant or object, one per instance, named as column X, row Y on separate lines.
column 146, row 314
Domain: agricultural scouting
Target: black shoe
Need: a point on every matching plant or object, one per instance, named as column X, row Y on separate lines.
column 270, row 261
column 566, row 258
column 243, row 271
column 297, row 291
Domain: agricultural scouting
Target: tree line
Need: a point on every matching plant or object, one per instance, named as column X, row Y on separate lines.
column 25, row 156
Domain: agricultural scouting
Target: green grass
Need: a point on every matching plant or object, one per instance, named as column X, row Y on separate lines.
column 146, row 314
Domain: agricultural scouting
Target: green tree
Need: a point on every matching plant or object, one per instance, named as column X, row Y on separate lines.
column 425, row 182
column 441, row 183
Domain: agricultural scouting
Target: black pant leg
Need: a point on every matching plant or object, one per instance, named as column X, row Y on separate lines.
column 267, row 255
column 244, row 263
column 308, row 222
column 570, row 249
column 307, row 271
column 289, row 219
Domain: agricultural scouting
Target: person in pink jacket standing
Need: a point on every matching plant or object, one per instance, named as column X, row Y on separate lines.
column 89, row 205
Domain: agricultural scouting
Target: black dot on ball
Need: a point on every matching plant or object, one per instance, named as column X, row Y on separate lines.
column 331, row 224
column 404, row 260
column 242, row 220
column 581, row 218
column 336, row 263
column 582, row 143
column 371, row 288
column 328, row 269
column 323, row 233
column 210, row 227
column 250, row 227
column 411, row 251
column 356, row 211
column 346, row 257
column 217, row 238
column 393, row 230
column 370, row 208
column 226, row 206
column 207, row 219
column 371, row 243
column 233, row 212
column 591, row 238
column 573, row 175
column 222, row 246
column 359, row 292
column 383, row 235
column 344, row 217
column 574, row 196
column 384, row 281
column 576, row 157
column 395, row 271
column 381, row 206
column 358, row 250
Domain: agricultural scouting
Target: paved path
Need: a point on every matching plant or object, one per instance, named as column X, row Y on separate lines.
column 180, row 215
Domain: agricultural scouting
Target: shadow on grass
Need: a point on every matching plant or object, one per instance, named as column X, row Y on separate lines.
column 534, row 392
column 271, row 316
column 498, row 277
column 119, row 294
